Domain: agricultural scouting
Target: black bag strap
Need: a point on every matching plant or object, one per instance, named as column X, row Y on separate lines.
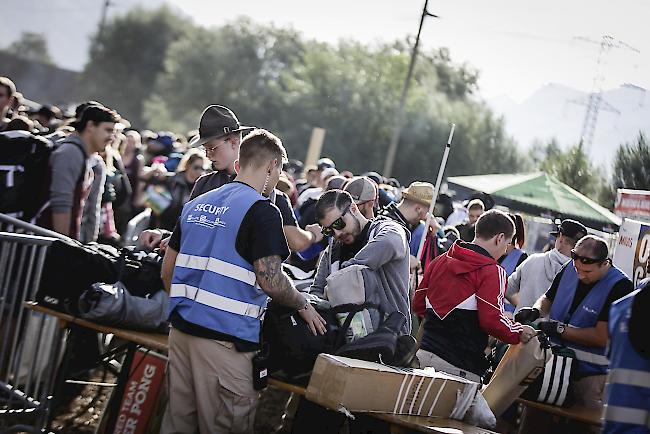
column 351, row 309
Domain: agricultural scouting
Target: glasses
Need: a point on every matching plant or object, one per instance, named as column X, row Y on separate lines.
column 585, row 259
column 337, row 224
column 206, row 149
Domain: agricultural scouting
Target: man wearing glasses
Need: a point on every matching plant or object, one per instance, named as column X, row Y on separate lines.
column 578, row 304
column 380, row 244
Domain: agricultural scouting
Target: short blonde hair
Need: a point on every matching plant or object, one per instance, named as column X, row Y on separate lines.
column 191, row 156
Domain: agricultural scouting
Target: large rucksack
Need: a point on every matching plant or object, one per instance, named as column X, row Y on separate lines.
column 24, row 160
column 70, row 268
column 25, row 175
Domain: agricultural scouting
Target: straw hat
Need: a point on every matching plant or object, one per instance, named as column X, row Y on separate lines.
column 421, row 192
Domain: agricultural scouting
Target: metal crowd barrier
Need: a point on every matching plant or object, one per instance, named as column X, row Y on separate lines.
column 30, row 342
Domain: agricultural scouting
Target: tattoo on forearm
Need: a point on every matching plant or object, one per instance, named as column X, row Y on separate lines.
column 276, row 283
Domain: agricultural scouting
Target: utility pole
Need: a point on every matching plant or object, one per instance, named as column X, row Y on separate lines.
column 394, row 141
column 102, row 21
column 595, row 102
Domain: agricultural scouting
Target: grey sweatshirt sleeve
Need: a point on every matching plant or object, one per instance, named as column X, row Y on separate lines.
column 389, row 243
column 67, row 165
column 323, row 270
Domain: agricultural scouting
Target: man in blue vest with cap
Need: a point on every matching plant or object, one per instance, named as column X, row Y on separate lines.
column 578, row 305
column 223, row 261
column 627, row 398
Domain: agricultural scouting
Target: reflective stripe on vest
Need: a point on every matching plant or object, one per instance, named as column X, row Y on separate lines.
column 215, row 300
column 216, row 266
column 585, row 356
column 629, row 377
column 632, row 416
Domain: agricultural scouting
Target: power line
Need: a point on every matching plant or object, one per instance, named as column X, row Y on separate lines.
column 595, row 101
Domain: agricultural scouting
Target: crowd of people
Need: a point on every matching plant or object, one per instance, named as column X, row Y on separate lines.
column 227, row 209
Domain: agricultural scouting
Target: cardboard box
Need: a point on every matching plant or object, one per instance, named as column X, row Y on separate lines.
column 351, row 385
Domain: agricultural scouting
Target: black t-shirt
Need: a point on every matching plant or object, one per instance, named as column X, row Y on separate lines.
column 619, row 290
column 284, row 205
column 260, row 235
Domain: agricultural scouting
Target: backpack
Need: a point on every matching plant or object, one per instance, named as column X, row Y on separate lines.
column 24, row 160
column 25, row 175
column 292, row 347
column 71, row 268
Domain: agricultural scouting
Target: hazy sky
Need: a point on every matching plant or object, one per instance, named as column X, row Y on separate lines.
column 517, row 45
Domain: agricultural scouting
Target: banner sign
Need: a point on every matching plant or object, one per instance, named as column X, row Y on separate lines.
column 633, row 204
column 146, row 377
column 633, row 249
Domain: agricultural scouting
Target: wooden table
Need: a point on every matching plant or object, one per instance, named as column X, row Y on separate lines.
column 400, row 423
column 574, row 418
column 157, row 341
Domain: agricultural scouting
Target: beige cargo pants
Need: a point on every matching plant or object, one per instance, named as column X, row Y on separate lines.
column 210, row 387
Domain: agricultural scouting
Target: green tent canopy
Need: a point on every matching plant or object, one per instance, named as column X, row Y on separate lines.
column 537, row 193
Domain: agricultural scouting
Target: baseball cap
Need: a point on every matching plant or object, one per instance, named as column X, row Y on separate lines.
column 325, row 163
column 362, row 189
column 571, row 228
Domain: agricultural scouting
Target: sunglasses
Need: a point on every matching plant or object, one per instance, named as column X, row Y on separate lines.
column 197, row 167
column 337, row 224
column 585, row 259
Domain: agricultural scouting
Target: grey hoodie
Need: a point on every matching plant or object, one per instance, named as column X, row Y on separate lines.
column 386, row 280
column 534, row 276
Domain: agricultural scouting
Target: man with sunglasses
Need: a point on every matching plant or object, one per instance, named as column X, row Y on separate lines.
column 578, row 304
column 380, row 243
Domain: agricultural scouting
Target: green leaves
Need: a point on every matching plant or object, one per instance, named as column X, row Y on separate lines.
column 161, row 71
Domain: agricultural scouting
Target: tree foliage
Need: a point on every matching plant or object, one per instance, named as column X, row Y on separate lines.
column 632, row 165
column 31, row 46
column 128, row 56
column 277, row 79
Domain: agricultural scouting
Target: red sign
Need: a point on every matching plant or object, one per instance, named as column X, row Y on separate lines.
column 141, row 393
column 632, row 203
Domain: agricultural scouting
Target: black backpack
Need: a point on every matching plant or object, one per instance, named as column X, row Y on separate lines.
column 292, row 347
column 24, row 160
column 70, row 268
column 25, row 175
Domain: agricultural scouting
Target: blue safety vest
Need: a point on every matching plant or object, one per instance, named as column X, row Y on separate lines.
column 213, row 286
column 627, row 395
column 592, row 360
column 510, row 264
column 510, row 261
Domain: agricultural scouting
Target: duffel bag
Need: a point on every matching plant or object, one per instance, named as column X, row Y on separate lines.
column 554, row 385
column 293, row 348
column 70, row 268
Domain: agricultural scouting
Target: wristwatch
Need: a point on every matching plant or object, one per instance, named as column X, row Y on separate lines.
column 560, row 328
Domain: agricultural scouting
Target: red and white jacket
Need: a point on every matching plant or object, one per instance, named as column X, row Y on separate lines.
column 462, row 296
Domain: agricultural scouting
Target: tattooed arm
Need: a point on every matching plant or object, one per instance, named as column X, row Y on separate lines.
column 277, row 285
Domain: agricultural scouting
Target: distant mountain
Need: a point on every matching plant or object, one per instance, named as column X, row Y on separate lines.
column 558, row 111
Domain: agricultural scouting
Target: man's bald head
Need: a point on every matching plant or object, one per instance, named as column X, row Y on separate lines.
column 593, row 247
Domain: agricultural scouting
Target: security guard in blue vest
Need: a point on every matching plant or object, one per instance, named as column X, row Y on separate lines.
column 222, row 263
column 578, row 304
column 627, row 398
